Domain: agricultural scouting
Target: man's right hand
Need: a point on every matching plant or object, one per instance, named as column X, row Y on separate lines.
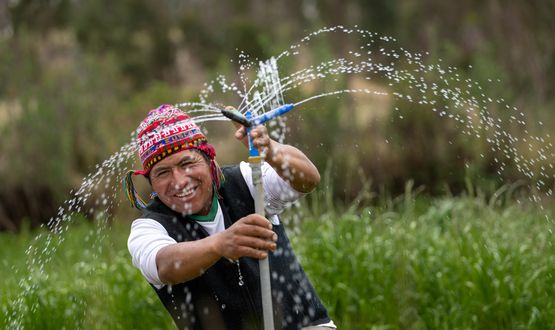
column 251, row 236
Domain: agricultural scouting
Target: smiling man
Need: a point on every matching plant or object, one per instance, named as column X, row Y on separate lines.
column 198, row 240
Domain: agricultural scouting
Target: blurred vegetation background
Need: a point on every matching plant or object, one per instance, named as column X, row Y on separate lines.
column 77, row 76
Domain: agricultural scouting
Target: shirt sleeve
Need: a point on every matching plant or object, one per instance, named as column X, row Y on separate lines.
column 146, row 238
column 278, row 193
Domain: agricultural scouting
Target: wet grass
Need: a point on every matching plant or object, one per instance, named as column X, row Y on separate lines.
column 446, row 263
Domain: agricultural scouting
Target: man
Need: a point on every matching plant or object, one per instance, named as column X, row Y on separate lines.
column 198, row 241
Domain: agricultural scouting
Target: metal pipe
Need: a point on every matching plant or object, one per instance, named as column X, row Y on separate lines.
column 255, row 162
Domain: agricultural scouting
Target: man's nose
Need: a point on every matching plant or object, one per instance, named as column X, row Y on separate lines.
column 179, row 177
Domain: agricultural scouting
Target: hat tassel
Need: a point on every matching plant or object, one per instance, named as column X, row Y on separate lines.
column 132, row 194
column 218, row 177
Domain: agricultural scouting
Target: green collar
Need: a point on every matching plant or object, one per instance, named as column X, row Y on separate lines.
column 211, row 215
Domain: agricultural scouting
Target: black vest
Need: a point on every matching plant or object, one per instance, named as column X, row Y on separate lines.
column 227, row 295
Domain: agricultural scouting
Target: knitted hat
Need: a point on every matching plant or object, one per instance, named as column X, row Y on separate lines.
column 165, row 131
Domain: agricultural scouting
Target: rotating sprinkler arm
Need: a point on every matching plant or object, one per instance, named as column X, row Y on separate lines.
column 272, row 114
column 238, row 117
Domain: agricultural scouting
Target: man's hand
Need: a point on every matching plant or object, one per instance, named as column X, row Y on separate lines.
column 290, row 163
column 259, row 137
column 251, row 236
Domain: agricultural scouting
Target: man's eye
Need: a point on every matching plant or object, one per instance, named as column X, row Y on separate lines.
column 186, row 165
column 160, row 173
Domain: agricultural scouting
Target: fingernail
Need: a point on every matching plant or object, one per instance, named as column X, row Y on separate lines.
column 274, row 237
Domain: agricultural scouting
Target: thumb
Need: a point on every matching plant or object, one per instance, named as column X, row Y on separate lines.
column 241, row 132
column 237, row 125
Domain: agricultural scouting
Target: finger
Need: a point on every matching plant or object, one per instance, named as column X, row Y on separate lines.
column 241, row 132
column 259, row 131
column 255, row 231
column 236, row 124
column 263, row 141
column 252, row 253
column 256, row 243
column 263, row 152
column 256, row 219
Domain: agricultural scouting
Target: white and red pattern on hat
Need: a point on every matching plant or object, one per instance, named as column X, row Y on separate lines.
column 165, row 131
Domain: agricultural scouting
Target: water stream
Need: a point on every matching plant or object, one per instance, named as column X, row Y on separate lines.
column 263, row 86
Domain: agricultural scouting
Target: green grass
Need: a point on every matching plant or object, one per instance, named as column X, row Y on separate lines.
column 447, row 263
column 88, row 284
column 442, row 264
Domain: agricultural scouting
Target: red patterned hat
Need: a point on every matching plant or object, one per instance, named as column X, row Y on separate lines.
column 167, row 130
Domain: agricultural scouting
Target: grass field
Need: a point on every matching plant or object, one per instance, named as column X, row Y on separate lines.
column 446, row 263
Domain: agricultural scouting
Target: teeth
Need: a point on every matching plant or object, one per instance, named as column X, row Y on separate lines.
column 185, row 193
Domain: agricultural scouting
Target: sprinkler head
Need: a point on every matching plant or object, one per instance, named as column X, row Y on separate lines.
column 236, row 116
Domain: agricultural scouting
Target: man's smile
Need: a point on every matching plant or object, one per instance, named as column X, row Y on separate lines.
column 186, row 193
column 184, row 181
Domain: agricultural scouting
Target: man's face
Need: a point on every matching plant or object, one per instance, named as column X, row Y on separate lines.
column 183, row 182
